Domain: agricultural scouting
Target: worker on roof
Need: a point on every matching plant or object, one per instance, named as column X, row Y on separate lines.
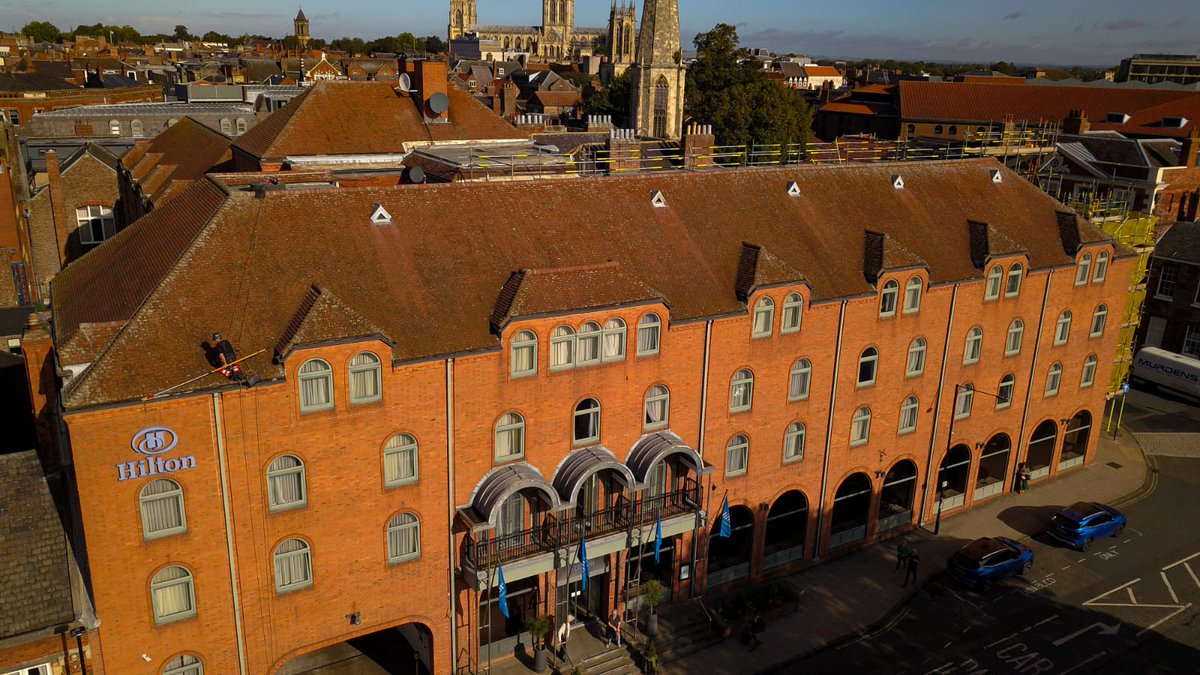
column 227, row 357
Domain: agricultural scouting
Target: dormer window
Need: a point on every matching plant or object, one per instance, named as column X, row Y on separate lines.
column 1083, row 270
column 1174, row 122
column 1116, row 118
column 887, row 299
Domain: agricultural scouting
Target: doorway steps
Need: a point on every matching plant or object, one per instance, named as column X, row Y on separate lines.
column 615, row 661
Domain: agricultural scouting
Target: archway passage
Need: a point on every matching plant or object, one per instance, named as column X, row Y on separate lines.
column 993, row 466
column 952, row 477
column 729, row 557
column 851, row 510
column 1075, row 441
column 1041, row 449
column 400, row 650
column 787, row 526
column 896, row 499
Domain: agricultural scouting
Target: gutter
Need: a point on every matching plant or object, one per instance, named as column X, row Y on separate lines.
column 837, row 360
column 937, row 407
column 239, row 630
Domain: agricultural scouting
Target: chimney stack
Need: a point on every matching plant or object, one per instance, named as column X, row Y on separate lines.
column 1191, row 146
column 429, row 78
column 1076, row 123
column 698, row 142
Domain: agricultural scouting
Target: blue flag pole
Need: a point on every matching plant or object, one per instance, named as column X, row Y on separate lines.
column 726, row 521
column 503, row 594
column 657, row 539
column 583, row 562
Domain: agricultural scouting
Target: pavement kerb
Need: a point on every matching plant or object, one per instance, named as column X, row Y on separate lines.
column 1149, row 483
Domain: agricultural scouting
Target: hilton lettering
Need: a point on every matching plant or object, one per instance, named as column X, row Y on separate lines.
column 152, row 466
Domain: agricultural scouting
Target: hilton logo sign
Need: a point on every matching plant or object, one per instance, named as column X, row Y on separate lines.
column 153, row 442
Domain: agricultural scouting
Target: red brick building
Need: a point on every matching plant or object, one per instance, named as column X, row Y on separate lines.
column 438, row 394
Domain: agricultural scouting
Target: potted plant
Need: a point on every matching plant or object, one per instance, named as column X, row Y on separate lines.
column 538, row 626
column 654, row 595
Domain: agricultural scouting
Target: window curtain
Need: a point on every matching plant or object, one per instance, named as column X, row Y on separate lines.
column 523, row 358
column 403, row 537
column 589, row 347
column 762, row 320
column 648, row 339
column 286, row 481
column 614, row 343
column 401, row 463
column 291, row 563
column 364, row 384
column 172, row 592
column 162, row 506
column 560, row 350
column 315, row 391
column 656, row 409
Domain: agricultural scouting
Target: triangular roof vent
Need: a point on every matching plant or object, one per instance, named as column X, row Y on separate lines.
column 997, row 176
column 898, row 182
column 658, row 200
column 380, row 216
column 793, row 189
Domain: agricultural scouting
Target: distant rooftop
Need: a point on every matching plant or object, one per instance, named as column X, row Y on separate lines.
column 152, row 108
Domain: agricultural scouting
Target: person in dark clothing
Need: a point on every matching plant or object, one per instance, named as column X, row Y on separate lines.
column 757, row 626
column 226, row 356
column 911, row 570
column 902, row 553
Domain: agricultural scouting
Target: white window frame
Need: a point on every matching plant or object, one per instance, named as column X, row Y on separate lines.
column 156, row 586
column 913, row 290
column 800, row 380
column 1168, row 277
column 763, row 319
column 1099, row 319
column 914, row 365
column 909, row 410
column 277, row 558
column 321, row 370
column 194, row 667
column 1054, row 379
column 1002, row 401
column 85, row 217
column 868, row 358
column 650, row 326
column 398, row 525
column 589, row 344
column 1088, row 377
column 523, row 342
column 973, row 346
column 1062, row 328
column 175, row 495
column 512, row 423
column 1012, row 286
column 737, row 448
column 401, row 446
column 994, row 283
column 860, row 427
column 889, row 297
column 1100, row 272
column 274, row 500
column 794, row 440
column 1191, row 341
column 562, row 335
column 1016, row 335
column 743, row 377
column 1083, row 269
column 371, row 364
column 965, row 402
column 656, row 394
column 793, row 314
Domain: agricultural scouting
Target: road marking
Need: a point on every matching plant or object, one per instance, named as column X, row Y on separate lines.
column 1170, row 588
column 1105, row 629
column 1083, row 663
column 1065, row 567
column 1131, row 598
column 1118, row 588
column 1003, row 639
column 1180, row 562
column 1155, row 624
column 1081, row 560
column 1126, row 541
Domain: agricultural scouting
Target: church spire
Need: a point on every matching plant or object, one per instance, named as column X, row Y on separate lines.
column 656, row 104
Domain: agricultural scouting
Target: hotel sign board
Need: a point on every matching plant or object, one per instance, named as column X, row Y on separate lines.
column 153, row 443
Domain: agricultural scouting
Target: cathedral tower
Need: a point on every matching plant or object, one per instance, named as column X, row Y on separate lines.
column 462, row 18
column 301, row 26
column 622, row 33
column 656, row 103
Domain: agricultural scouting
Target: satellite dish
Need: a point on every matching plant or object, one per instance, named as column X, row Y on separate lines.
column 416, row 175
column 439, row 103
column 405, row 82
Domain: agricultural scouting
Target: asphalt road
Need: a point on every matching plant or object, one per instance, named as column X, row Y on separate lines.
column 1129, row 605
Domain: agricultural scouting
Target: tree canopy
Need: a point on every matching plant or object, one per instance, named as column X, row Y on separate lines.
column 737, row 99
column 611, row 100
column 41, row 31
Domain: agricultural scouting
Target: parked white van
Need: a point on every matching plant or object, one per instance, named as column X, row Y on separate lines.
column 1167, row 369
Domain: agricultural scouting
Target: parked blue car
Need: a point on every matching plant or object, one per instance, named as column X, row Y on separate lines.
column 1083, row 522
column 985, row 561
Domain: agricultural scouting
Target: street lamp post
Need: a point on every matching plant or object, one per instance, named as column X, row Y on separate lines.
column 937, row 523
column 78, row 634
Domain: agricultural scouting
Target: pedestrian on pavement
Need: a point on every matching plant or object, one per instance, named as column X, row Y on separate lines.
column 911, row 570
column 1022, row 477
column 902, row 553
column 757, row 626
column 564, row 636
column 614, row 627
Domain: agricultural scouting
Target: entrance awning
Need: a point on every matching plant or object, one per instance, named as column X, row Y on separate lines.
column 653, row 448
column 501, row 483
column 581, row 465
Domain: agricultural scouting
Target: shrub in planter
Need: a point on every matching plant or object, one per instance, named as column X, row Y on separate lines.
column 538, row 626
column 655, row 592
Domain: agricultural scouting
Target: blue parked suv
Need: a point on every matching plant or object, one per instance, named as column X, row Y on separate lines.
column 985, row 561
column 1082, row 522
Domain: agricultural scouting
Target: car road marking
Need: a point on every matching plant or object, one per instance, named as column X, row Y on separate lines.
column 1126, row 541
column 1170, row 588
column 1133, row 599
column 1153, row 625
column 1083, row 663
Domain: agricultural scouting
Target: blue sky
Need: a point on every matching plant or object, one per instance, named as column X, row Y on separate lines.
column 1023, row 31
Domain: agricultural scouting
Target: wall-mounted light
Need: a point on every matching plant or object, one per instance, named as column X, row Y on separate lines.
column 354, row 618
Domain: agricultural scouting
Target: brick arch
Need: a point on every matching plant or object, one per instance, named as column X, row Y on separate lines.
column 426, row 622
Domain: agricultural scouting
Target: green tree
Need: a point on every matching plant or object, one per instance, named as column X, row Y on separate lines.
column 1004, row 67
column 435, row 45
column 737, row 99
column 181, row 33
column 406, row 41
column 611, row 100
column 580, row 80
column 41, row 31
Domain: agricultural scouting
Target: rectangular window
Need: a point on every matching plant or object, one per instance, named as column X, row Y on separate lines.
column 96, row 223
column 1004, row 397
column 1191, row 341
column 1166, row 282
column 735, row 459
column 14, row 116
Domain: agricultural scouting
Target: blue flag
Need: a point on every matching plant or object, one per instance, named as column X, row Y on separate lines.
column 503, row 594
column 583, row 562
column 726, row 522
column 657, row 539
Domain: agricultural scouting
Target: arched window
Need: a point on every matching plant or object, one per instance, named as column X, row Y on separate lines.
column 1089, row 372
column 161, row 503
column 1054, row 379
column 1016, row 331
column 614, row 340
column 658, row 407
column 737, row 455
column 908, row 415
column 1083, row 271
column 240, row 125
column 916, row 358
column 764, row 318
column 1101, row 267
column 800, row 380
column 524, row 354
column 366, row 378
column 1062, row 328
column 793, row 311
column 184, row 664
column 887, row 298
column 400, row 460
column 293, row 566
column 912, row 295
column 974, row 346
column 868, row 365
column 1098, row 319
column 1014, row 280
column 403, row 538
column 1004, row 394
column 911, row 129
column 173, row 595
column 587, row 422
column 953, row 130
column 649, row 332
column 860, row 426
column 793, row 442
column 588, row 344
column 937, row 130
column 226, row 126
column 510, row 437
column 965, row 401
column 286, row 484
column 137, row 130
column 562, row 348
column 316, row 386
column 993, row 283
column 114, row 127
column 741, row 391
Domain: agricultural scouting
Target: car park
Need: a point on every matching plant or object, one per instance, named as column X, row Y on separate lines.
column 1083, row 522
column 987, row 560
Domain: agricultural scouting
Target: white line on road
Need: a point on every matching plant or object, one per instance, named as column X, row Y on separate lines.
column 1180, row 562
column 1170, row 588
column 1118, row 588
column 1065, row 566
column 1003, row 639
column 1081, row 560
column 1155, row 624
column 1126, row 541
column 1083, row 663
column 1105, row 629
column 1193, row 573
column 1132, row 599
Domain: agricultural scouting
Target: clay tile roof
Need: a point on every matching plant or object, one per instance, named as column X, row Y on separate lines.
column 348, row 118
column 757, row 269
column 821, row 71
column 541, row 292
column 222, row 259
column 1074, row 231
column 882, row 253
column 323, row 318
column 176, row 157
column 557, row 98
column 988, row 242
